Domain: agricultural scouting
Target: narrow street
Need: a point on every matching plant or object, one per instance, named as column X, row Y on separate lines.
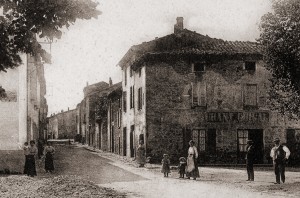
column 71, row 160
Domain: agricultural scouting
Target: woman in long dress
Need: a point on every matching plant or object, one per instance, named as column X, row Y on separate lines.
column 48, row 153
column 33, row 151
column 192, row 165
column 141, row 154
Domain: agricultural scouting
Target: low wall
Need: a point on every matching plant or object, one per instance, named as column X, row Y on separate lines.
column 12, row 161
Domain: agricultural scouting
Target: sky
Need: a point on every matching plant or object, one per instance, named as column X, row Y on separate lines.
column 90, row 50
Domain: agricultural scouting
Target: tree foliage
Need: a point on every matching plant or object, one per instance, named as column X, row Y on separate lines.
column 24, row 20
column 280, row 36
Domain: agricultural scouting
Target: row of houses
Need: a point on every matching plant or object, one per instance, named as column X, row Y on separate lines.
column 187, row 86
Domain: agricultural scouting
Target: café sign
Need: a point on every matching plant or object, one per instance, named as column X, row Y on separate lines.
column 227, row 117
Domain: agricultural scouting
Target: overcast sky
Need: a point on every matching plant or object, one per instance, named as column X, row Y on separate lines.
column 90, row 50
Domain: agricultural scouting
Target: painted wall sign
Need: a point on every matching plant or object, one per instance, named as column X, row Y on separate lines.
column 237, row 117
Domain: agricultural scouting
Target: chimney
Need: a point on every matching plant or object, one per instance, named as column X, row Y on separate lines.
column 110, row 81
column 179, row 25
column 87, row 83
column 68, row 109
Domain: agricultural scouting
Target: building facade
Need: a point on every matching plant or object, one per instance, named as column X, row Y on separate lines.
column 23, row 110
column 189, row 86
column 62, row 125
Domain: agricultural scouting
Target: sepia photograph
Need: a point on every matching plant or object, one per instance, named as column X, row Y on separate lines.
column 149, row 98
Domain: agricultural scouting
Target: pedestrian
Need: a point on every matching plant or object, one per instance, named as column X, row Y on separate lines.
column 250, row 157
column 141, row 154
column 26, row 153
column 33, row 151
column 280, row 154
column 48, row 153
column 192, row 165
column 165, row 165
column 181, row 167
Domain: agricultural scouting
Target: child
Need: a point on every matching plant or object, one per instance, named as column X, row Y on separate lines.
column 181, row 167
column 165, row 165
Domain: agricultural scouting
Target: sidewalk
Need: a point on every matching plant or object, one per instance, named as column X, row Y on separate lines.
column 228, row 182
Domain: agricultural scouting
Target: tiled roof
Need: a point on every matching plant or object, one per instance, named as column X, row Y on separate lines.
column 189, row 43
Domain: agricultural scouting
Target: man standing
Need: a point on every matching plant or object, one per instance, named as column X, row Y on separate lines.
column 250, row 157
column 280, row 154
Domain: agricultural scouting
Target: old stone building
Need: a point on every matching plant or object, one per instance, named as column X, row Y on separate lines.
column 189, row 86
column 96, row 120
column 114, row 118
column 23, row 111
column 62, row 125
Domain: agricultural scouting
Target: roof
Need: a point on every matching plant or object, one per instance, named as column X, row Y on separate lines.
column 188, row 43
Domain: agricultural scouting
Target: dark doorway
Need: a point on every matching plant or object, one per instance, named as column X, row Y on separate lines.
column 124, row 141
column 211, row 141
column 131, row 141
column 112, row 140
column 256, row 135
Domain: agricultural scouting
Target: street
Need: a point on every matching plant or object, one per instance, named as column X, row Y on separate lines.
column 107, row 170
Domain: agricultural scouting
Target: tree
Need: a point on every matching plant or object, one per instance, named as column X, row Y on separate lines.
column 26, row 19
column 280, row 37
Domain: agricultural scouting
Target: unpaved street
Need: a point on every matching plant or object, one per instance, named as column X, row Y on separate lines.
column 111, row 171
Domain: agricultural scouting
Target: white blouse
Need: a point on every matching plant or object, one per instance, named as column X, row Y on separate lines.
column 193, row 150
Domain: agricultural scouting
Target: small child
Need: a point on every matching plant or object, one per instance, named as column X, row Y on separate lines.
column 26, row 148
column 165, row 165
column 181, row 167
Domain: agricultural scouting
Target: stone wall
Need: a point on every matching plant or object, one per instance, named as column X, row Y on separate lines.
column 173, row 118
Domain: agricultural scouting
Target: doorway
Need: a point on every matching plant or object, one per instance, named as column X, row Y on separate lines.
column 124, row 141
column 131, row 141
column 256, row 135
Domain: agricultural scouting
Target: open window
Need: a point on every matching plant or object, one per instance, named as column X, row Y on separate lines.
column 198, row 67
column 250, row 65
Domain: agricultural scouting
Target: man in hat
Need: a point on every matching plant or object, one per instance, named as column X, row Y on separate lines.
column 250, row 157
column 280, row 154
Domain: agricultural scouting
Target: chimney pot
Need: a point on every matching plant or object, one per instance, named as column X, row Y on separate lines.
column 179, row 25
column 110, row 81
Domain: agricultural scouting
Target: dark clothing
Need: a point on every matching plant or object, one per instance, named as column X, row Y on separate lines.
column 165, row 166
column 250, row 172
column 26, row 164
column 279, row 168
column 250, row 157
column 31, row 170
column 181, row 169
column 49, row 162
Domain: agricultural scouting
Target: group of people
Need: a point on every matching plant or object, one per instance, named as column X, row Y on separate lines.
column 279, row 154
column 31, row 154
column 189, row 167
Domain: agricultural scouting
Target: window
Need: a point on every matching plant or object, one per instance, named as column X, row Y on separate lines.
column 140, row 98
column 250, row 95
column 199, row 137
column 140, row 72
column 242, row 140
column 125, row 76
column 119, row 118
column 199, row 67
column 131, row 72
column 131, row 97
column 124, row 101
column 250, row 66
column 199, row 94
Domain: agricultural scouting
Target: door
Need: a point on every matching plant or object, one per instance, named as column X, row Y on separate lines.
column 257, row 136
column 211, row 141
column 124, row 141
column 131, row 141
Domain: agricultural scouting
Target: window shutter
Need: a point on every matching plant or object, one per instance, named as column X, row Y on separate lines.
column 250, row 95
